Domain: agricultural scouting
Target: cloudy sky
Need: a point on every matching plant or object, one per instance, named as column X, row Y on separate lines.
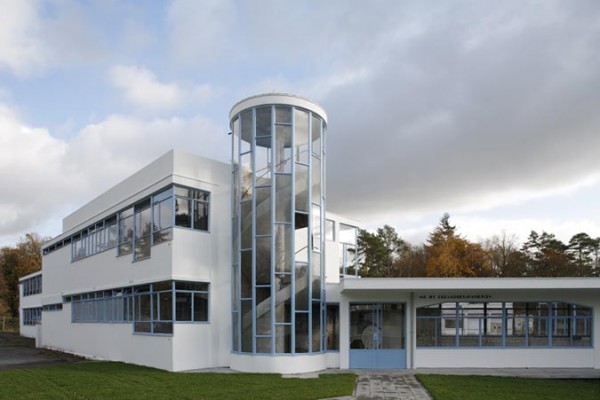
column 487, row 110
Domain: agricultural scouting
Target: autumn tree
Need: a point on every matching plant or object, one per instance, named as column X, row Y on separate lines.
column 16, row 262
column 447, row 254
column 411, row 263
column 380, row 251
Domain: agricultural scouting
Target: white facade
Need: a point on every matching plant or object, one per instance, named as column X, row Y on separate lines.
column 143, row 274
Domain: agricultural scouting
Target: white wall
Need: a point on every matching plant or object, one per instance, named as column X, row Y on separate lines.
column 114, row 342
column 282, row 364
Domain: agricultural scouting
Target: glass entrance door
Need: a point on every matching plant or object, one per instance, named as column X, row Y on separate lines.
column 377, row 336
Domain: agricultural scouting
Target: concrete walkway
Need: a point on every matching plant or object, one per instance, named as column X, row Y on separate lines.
column 401, row 384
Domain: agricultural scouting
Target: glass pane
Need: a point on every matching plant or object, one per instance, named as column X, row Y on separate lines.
column 316, row 135
column 263, row 210
column 316, row 180
column 263, row 344
column 246, row 131
column 262, row 164
column 283, row 248
column 166, row 306
column 392, row 327
column 183, row 306
column 301, row 187
column 316, row 221
column 201, row 216
column 163, row 214
column 283, row 115
column 283, row 149
column 283, row 303
column 283, row 198
column 316, row 326
column 316, row 275
column 263, row 121
column 236, row 137
column 183, row 212
column 301, row 275
column 247, row 326
column 246, row 171
column 333, row 327
column 302, row 336
column 246, row 224
column 235, row 327
column 263, row 260
column 301, row 237
column 263, row 311
column 246, row 277
column 283, row 339
column 301, row 136
column 200, row 306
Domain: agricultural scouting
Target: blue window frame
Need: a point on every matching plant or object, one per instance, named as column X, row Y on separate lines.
column 504, row 324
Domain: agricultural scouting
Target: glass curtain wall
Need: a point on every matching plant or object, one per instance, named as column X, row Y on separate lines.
column 277, row 219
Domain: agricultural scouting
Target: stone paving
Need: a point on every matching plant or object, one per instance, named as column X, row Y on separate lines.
column 384, row 386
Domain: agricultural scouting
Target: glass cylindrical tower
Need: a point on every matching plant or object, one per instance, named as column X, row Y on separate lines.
column 278, row 157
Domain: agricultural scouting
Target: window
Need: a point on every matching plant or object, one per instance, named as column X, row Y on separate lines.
column 191, row 208
column 149, row 307
column 32, row 285
column 333, row 327
column 137, row 228
column 504, row 324
column 32, row 316
column 52, row 307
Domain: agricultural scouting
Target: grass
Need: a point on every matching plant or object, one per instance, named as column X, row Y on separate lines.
column 111, row 380
column 446, row 387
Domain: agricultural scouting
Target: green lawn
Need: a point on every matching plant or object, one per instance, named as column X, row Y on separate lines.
column 446, row 387
column 109, row 380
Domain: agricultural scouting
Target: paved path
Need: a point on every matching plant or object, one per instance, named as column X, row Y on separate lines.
column 401, row 384
column 376, row 386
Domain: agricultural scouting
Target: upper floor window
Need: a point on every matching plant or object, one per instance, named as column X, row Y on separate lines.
column 191, row 208
column 135, row 229
column 32, row 285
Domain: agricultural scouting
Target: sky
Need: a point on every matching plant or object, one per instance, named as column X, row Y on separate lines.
column 486, row 110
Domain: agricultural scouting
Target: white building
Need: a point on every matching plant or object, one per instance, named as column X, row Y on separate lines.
column 191, row 263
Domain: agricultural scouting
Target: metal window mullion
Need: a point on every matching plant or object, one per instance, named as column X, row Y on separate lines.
column 253, row 220
column 293, row 232
column 310, row 238
column 273, row 205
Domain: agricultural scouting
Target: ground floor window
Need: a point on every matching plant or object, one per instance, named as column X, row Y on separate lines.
column 151, row 308
column 32, row 316
column 333, row 327
column 504, row 324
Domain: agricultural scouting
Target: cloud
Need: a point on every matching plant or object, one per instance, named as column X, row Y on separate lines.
column 141, row 88
column 21, row 50
column 31, row 171
column 199, row 31
column 45, row 176
column 478, row 106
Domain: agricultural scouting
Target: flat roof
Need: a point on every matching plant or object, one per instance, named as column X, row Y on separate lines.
column 450, row 284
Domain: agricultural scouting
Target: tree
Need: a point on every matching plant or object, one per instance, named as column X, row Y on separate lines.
column 584, row 253
column 411, row 263
column 546, row 256
column 380, row 251
column 449, row 255
column 504, row 256
column 16, row 262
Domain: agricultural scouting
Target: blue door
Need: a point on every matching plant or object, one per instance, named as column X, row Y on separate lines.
column 377, row 336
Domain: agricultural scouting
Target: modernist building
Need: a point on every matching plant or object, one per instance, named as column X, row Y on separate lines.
column 191, row 263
